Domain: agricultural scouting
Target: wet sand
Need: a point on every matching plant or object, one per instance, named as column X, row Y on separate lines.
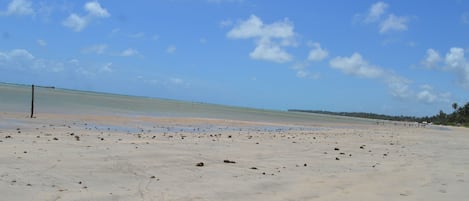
column 86, row 157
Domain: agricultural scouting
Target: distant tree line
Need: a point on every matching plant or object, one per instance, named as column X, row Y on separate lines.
column 459, row 117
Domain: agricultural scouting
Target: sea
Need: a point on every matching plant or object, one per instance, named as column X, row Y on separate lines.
column 17, row 98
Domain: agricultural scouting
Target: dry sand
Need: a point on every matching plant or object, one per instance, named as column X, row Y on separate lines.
column 71, row 157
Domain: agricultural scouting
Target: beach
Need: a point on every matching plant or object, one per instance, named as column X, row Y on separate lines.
column 70, row 156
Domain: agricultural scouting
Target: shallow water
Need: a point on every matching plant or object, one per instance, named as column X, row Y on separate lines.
column 17, row 98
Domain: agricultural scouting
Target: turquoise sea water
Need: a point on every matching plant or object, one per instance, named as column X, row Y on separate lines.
column 17, row 98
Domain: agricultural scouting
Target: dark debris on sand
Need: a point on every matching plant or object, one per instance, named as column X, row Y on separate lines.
column 228, row 161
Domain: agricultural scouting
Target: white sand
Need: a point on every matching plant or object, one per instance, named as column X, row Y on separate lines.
column 396, row 162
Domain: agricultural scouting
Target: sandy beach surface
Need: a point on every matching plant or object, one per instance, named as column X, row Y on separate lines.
column 106, row 157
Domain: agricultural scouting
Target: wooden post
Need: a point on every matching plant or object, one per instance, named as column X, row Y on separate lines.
column 32, row 101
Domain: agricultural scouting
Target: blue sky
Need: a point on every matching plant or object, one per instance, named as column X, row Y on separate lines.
column 391, row 57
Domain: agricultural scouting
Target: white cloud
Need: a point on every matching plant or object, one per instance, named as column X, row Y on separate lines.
column 21, row 53
column 431, row 59
column 427, row 95
column 94, row 10
column 96, row 49
column 269, row 38
column 455, row 58
column 267, row 50
column 15, row 57
column 399, row 86
column 129, row 52
column 161, row 81
column 106, row 68
column 457, row 63
column 19, row 7
column 454, row 62
column 393, row 23
column 375, row 12
column 23, row 60
column 307, row 75
column 41, row 42
column 226, row 23
column 75, row 22
column 357, row 66
column 254, row 27
column 317, row 53
column 171, row 49
column 390, row 23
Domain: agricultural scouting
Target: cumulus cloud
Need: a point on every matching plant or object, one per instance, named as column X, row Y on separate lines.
column 19, row 7
column 129, row 52
column 226, row 23
column 303, row 72
column 96, row 49
column 171, row 49
column 393, row 23
column 95, row 9
column 270, row 51
column 41, row 42
column 307, row 74
column 431, row 58
column 23, row 60
column 270, row 39
column 456, row 62
column 106, row 68
column 399, row 87
column 163, row 81
column 254, row 27
column 428, row 95
column 317, row 53
column 356, row 65
column 375, row 12
column 390, row 23
column 78, row 23
column 75, row 22
column 16, row 54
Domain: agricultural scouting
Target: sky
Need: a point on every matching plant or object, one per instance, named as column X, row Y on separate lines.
column 388, row 57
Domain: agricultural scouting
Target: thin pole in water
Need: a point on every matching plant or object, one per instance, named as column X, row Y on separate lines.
column 32, row 101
